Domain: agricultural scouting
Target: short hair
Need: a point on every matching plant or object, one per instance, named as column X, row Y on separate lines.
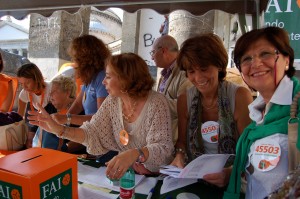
column 66, row 84
column 274, row 35
column 167, row 41
column 31, row 71
column 133, row 74
column 90, row 53
column 202, row 51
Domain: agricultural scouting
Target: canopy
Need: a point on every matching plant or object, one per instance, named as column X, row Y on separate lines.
column 21, row 8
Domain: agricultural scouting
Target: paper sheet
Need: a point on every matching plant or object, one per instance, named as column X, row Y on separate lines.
column 97, row 176
column 170, row 183
column 202, row 165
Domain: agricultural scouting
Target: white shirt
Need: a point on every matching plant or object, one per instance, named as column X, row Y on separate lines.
column 262, row 183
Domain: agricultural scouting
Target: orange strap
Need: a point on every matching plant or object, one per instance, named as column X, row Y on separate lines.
column 30, row 99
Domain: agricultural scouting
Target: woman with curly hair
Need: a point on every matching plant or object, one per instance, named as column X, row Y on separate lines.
column 134, row 120
column 89, row 55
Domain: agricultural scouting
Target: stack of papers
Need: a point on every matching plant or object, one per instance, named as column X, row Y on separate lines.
column 196, row 169
column 97, row 177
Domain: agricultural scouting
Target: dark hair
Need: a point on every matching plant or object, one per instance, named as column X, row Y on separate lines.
column 201, row 51
column 31, row 71
column 276, row 36
column 133, row 74
column 90, row 53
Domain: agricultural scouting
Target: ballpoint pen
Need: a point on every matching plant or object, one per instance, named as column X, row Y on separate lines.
column 150, row 193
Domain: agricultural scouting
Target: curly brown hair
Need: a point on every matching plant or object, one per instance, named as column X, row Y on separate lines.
column 90, row 53
column 133, row 74
column 202, row 51
column 276, row 36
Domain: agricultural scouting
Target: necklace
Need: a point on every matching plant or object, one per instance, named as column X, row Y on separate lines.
column 211, row 106
column 132, row 110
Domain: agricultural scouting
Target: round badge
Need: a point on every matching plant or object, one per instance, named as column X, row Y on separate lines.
column 186, row 195
column 124, row 137
column 266, row 155
column 210, row 131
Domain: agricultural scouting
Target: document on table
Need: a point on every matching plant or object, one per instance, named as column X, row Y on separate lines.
column 196, row 169
column 97, row 177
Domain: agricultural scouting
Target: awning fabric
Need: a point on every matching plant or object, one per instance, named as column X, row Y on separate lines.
column 21, row 8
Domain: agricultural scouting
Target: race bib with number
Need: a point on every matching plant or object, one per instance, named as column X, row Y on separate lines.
column 266, row 155
column 210, row 131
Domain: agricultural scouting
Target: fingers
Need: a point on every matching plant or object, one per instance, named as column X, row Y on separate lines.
column 115, row 169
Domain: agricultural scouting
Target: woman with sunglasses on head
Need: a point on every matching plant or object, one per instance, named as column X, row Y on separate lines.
column 213, row 113
column 265, row 60
column 133, row 120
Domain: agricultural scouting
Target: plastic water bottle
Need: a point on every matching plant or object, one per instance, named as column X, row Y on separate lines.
column 127, row 183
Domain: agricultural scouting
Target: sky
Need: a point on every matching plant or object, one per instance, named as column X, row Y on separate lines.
column 25, row 22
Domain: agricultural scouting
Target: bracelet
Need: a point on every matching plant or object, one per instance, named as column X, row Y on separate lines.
column 180, row 150
column 60, row 135
column 68, row 119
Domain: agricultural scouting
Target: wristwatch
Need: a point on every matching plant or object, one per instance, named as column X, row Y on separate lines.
column 68, row 119
column 141, row 157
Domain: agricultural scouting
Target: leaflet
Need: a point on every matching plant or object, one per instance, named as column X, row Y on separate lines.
column 196, row 169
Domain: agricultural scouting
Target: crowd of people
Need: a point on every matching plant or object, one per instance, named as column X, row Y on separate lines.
column 193, row 111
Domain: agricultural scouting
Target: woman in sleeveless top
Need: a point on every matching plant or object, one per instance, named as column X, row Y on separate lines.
column 213, row 113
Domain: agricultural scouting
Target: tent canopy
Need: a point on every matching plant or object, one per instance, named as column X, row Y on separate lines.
column 21, row 8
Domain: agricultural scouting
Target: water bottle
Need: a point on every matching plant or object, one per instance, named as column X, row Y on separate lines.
column 127, row 183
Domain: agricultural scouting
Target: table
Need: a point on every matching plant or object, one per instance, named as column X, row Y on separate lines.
column 202, row 189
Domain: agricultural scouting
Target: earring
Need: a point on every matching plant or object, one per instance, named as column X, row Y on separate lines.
column 124, row 92
column 286, row 67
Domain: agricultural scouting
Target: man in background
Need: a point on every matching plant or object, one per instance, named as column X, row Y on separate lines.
column 172, row 82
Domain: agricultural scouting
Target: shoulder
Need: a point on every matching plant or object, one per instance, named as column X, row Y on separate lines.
column 157, row 98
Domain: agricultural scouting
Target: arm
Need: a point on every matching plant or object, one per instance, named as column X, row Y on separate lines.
column 45, row 121
column 100, row 100
column 179, row 160
column 22, row 108
column 77, row 107
column 243, row 98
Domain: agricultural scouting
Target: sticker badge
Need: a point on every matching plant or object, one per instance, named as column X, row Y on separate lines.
column 210, row 131
column 266, row 155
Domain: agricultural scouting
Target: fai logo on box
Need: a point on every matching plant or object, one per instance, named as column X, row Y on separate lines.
column 59, row 186
column 10, row 191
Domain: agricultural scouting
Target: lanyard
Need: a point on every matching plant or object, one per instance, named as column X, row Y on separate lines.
column 30, row 99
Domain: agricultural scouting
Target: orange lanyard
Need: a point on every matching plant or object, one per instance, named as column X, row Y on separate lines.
column 30, row 99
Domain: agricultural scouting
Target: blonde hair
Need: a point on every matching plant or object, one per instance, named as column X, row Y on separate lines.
column 66, row 84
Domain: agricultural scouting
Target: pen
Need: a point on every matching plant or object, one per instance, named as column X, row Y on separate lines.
column 150, row 193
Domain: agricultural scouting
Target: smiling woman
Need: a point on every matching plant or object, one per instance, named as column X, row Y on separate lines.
column 265, row 59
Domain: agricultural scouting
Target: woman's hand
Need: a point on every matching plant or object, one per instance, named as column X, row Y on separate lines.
column 119, row 164
column 44, row 120
column 219, row 179
column 179, row 160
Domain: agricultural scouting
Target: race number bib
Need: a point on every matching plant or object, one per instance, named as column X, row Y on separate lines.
column 210, row 131
column 266, row 155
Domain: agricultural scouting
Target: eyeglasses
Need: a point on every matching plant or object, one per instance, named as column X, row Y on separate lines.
column 264, row 56
column 152, row 52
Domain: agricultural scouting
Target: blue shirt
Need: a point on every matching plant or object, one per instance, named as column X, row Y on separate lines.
column 93, row 91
